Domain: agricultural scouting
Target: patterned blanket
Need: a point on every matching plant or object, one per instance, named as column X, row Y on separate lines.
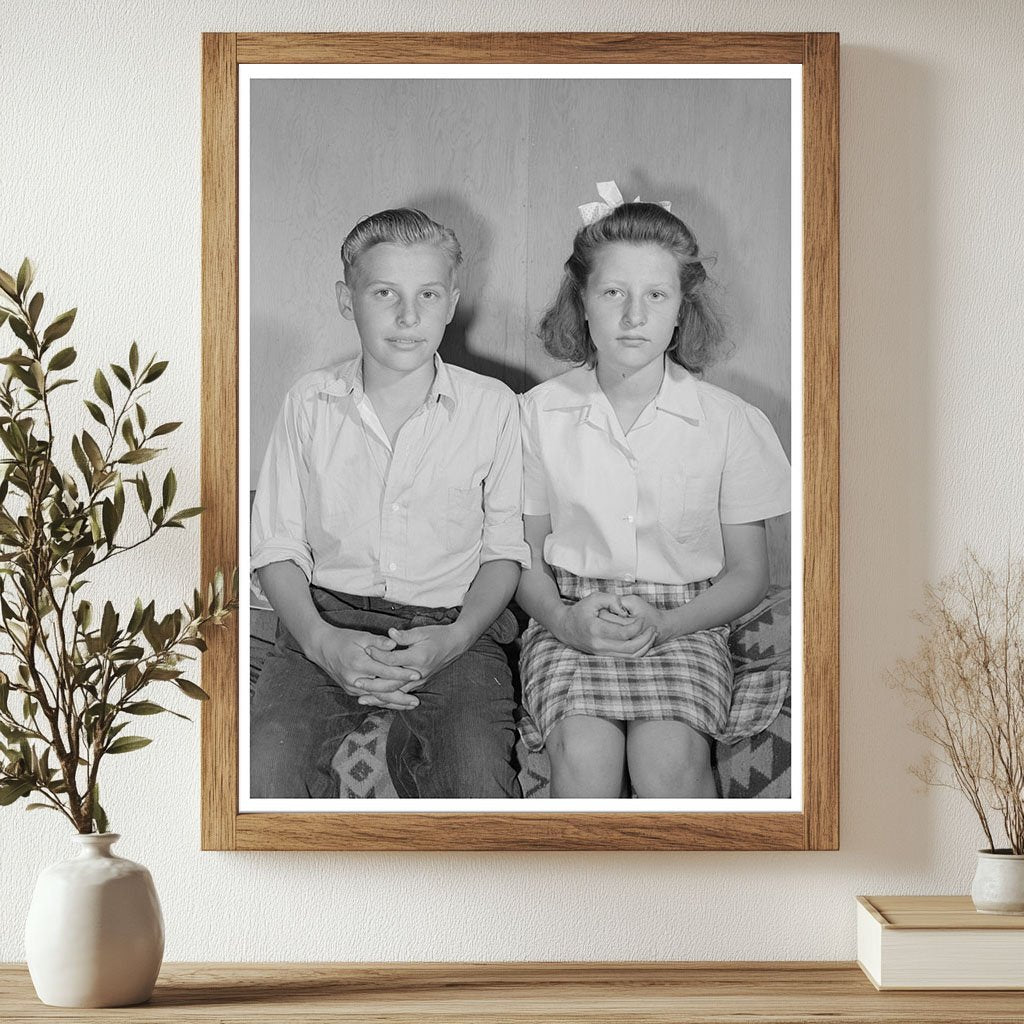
column 756, row 767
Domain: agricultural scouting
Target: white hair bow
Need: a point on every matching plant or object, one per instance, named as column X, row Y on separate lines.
column 612, row 197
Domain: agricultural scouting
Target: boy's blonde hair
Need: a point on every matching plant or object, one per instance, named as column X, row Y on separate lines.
column 402, row 226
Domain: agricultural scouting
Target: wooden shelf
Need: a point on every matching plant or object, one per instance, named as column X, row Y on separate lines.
column 523, row 992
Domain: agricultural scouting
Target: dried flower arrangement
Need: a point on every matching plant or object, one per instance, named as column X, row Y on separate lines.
column 967, row 679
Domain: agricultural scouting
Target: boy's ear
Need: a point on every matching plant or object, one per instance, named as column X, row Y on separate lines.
column 344, row 300
column 453, row 301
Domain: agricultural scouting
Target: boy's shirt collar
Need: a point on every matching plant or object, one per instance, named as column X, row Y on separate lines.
column 579, row 389
column 348, row 381
column 443, row 387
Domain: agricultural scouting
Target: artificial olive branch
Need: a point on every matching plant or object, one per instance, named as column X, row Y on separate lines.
column 79, row 673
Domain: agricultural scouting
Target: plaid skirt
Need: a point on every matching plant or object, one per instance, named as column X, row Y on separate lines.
column 688, row 679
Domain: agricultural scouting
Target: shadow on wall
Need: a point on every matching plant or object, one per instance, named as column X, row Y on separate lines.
column 887, row 208
column 477, row 239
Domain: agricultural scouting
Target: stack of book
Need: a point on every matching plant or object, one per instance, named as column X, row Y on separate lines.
column 906, row 942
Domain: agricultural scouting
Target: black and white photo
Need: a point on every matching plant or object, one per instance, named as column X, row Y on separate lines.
column 388, row 214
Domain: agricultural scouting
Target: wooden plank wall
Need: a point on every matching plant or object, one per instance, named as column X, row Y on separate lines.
column 505, row 163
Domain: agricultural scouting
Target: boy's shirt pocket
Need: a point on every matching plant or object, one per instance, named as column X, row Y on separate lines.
column 463, row 518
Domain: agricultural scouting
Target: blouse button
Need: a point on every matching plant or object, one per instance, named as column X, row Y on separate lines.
column 392, row 567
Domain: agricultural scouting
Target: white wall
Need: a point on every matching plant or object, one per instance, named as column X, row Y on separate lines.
column 99, row 182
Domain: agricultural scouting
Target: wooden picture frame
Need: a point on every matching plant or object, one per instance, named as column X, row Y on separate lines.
column 816, row 825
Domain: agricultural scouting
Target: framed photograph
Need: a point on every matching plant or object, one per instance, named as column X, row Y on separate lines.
column 509, row 144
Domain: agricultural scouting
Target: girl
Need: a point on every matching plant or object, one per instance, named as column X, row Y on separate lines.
column 644, row 485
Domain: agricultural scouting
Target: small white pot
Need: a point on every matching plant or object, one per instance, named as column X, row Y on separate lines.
column 999, row 882
column 95, row 933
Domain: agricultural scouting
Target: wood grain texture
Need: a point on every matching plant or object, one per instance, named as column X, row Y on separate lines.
column 817, row 827
column 626, row 831
column 821, row 440
column 219, row 429
column 526, row 993
column 952, row 913
column 520, row 48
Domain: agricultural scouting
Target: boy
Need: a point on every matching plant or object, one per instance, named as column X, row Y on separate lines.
column 387, row 535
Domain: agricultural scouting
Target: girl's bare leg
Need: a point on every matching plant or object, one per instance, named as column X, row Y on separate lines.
column 669, row 760
column 588, row 758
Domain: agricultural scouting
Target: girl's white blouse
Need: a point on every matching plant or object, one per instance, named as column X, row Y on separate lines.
column 650, row 504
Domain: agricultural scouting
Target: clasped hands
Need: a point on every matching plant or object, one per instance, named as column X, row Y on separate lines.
column 381, row 671
column 625, row 626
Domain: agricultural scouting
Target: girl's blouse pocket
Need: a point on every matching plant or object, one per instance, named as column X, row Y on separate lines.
column 688, row 505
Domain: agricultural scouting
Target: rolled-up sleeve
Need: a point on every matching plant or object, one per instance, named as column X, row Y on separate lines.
column 503, row 492
column 278, row 523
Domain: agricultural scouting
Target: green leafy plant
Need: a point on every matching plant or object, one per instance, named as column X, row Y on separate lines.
column 80, row 672
column 967, row 682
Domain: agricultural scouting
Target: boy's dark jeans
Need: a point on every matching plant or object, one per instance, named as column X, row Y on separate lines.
column 457, row 743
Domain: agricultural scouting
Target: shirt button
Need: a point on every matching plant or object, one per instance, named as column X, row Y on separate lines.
column 628, row 577
column 395, row 507
column 629, row 519
column 392, row 567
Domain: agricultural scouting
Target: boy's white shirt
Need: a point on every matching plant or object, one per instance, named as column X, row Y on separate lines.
column 648, row 505
column 412, row 523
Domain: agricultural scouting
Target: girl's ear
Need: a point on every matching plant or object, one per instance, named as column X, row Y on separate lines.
column 344, row 300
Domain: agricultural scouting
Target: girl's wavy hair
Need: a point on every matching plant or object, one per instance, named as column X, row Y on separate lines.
column 700, row 332
column 402, row 226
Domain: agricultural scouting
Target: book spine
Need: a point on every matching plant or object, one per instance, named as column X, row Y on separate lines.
column 869, row 945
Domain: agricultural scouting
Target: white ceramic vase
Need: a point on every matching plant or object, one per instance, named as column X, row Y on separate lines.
column 95, row 933
column 999, row 882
